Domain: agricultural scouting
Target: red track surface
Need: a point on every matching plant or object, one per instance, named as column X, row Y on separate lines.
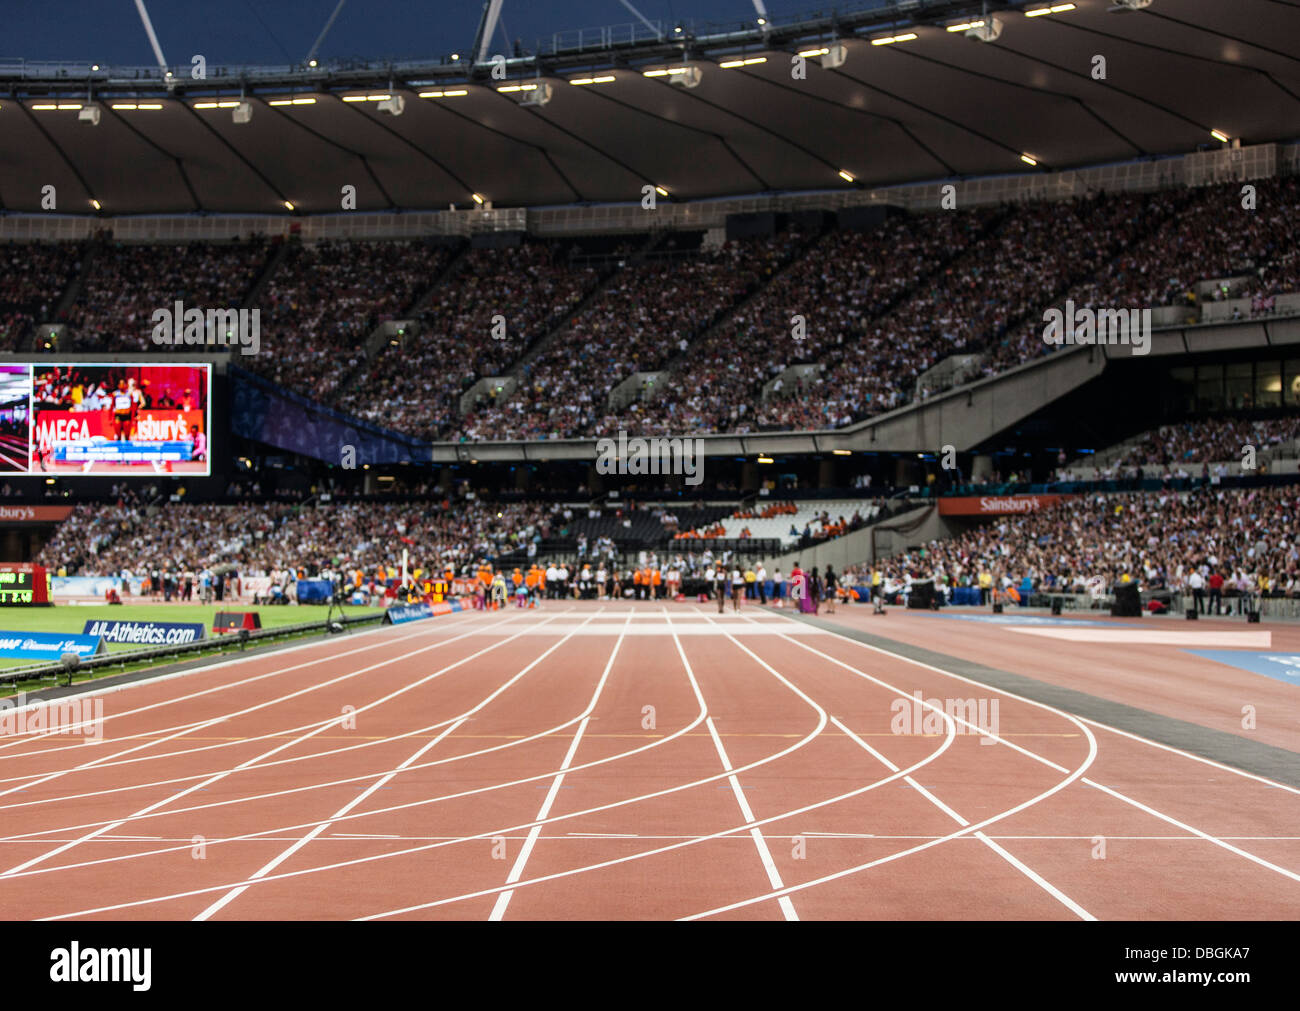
column 507, row 765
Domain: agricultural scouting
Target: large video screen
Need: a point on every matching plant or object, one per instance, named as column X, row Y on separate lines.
column 112, row 420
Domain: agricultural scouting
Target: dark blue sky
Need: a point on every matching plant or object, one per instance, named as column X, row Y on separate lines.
column 277, row 31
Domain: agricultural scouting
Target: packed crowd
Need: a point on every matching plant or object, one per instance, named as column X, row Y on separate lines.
column 845, row 280
column 1160, row 540
column 1206, row 441
column 648, row 314
column 32, row 276
column 127, row 283
column 324, row 300
column 1203, row 235
column 257, row 540
column 868, row 312
column 416, row 385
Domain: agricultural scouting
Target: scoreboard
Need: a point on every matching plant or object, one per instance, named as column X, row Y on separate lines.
column 24, row 586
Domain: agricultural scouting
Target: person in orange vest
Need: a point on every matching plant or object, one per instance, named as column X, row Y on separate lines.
column 534, row 581
column 657, row 581
column 636, row 583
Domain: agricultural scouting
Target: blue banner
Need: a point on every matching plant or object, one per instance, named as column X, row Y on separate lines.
column 146, row 633
column 48, row 646
column 266, row 412
column 401, row 613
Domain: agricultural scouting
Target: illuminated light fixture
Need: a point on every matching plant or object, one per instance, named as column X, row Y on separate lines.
column 1219, row 135
column 288, row 205
column 1028, row 160
column 842, row 452
column 766, row 459
column 762, row 21
column 593, row 80
column 686, row 77
column 95, row 204
column 197, row 105
column 442, row 94
column 456, row 57
column 889, row 40
column 291, row 101
column 94, row 66
column 847, row 177
column 477, row 199
column 964, row 26
column 43, row 107
column 520, row 87
column 661, row 191
column 809, row 53
column 311, row 63
column 72, row 106
column 742, row 63
column 1038, row 12
column 366, row 98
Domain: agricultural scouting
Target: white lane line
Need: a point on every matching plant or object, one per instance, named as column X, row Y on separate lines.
column 63, row 799
column 243, row 766
column 1033, row 875
column 379, row 783
column 113, row 689
column 517, row 871
column 501, row 831
column 764, row 854
column 1079, row 721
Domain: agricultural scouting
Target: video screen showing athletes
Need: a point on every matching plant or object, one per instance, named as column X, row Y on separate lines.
column 121, row 419
column 15, row 417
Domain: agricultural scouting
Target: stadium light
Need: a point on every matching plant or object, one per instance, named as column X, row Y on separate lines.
column 288, row 205
column 842, row 452
column 95, row 204
column 443, row 94
column 661, row 191
column 1220, row 136
column 477, row 199
column 607, row 79
column 730, row 64
column 847, row 176
column 1038, row 12
column 889, row 40
column 766, row 459
column 686, row 77
column 1029, row 160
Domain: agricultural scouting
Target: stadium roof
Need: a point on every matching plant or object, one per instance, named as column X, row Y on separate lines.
column 935, row 106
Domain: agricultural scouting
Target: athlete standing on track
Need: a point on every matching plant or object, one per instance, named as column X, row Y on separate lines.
column 123, row 406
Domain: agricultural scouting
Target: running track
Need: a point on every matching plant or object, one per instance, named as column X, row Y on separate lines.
column 619, row 761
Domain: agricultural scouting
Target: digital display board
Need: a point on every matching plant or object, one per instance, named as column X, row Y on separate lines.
column 24, row 585
column 109, row 419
